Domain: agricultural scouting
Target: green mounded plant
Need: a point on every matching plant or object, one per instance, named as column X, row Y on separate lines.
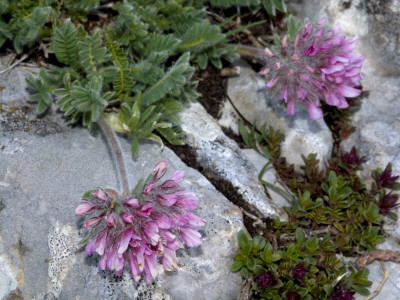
column 305, row 268
column 334, row 212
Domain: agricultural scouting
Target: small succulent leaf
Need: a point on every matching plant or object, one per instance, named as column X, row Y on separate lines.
column 362, row 290
column 258, row 270
column 244, row 272
column 300, row 238
column 242, row 238
column 236, row 266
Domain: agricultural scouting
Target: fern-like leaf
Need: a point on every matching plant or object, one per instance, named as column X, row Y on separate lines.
column 32, row 25
column 91, row 53
column 120, row 73
column 65, row 43
column 173, row 78
column 201, row 36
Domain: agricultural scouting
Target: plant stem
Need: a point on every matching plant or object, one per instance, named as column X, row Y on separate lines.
column 271, row 186
column 256, row 53
column 116, row 149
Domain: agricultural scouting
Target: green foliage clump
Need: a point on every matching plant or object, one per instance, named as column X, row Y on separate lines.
column 137, row 60
column 333, row 209
column 303, row 268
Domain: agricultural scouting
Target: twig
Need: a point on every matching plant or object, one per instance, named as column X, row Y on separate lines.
column 25, row 56
column 272, row 237
column 112, row 140
column 385, row 255
column 380, row 286
column 258, row 221
column 244, row 291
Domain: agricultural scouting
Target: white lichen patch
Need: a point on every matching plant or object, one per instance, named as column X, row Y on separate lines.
column 62, row 254
column 111, row 287
column 7, row 280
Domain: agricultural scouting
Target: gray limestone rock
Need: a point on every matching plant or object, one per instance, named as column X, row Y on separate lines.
column 221, row 158
column 269, row 176
column 302, row 135
column 42, row 179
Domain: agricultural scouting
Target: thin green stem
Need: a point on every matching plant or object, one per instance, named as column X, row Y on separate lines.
column 116, row 149
column 270, row 185
column 245, row 50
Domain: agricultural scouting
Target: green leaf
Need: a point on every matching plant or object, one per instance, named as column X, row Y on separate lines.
column 236, row 266
column 65, row 43
column 201, row 36
column 292, row 30
column 171, row 79
column 258, row 270
column 242, row 238
column 88, row 194
column 280, row 5
column 85, row 239
column 135, row 147
column 258, row 243
column 91, row 53
column 300, row 238
column 328, row 289
column 360, row 289
column 244, row 272
column 31, row 27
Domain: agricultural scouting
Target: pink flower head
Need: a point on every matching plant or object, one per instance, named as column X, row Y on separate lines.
column 318, row 65
column 142, row 230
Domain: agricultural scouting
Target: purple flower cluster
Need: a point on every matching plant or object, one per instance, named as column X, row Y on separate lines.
column 317, row 65
column 265, row 280
column 351, row 159
column 342, row 294
column 385, row 178
column 298, row 272
column 142, row 231
column 388, row 202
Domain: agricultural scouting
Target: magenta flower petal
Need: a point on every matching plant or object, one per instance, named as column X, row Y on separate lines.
column 93, row 222
column 169, row 260
column 148, row 188
column 83, row 208
column 127, row 218
column 150, row 267
column 194, row 220
column 90, row 247
column 100, row 194
column 150, row 230
column 167, row 235
column 101, row 244
column 132, row 202
column 110, row 220
column 159, row 170
column 290, row 108
column 124, row 241
column 168, row 199
column 175, row 179
column 191, row 237
column 174, row 245
column 103, row 262
column 348, row 91
column 314, row 112
column 272, row 82
column 165, row 223
column 133, row 266
column 187, row 200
